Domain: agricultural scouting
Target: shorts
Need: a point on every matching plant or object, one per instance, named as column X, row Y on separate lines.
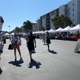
column 30, row 47
column 15, row 46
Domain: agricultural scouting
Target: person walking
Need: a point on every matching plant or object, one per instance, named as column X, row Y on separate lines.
column 1, row 23
column 48, row 40
column 4, row 40
column 44, row 39
column 31, row 44
column 16, row 45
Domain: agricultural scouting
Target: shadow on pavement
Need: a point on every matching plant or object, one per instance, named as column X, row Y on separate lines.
column 77, row 52
column 16, row 63
column 0, row 71
column 53, row 52
column 34, row 63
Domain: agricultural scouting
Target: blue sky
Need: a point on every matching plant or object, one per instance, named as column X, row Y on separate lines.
column 15, row 12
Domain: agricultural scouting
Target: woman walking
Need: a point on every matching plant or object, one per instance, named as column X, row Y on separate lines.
column 16, row 45
column 48, row 40
column 31, row 44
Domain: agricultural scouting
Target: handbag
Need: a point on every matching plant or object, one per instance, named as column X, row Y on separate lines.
column 10, row 47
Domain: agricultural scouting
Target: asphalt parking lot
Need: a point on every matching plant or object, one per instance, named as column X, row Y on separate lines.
column 60, row 63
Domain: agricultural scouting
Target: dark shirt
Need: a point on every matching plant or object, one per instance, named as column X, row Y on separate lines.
column 31, row 39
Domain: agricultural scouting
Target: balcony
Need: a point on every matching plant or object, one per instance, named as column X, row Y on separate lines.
column 48, row 15
column 48, row 19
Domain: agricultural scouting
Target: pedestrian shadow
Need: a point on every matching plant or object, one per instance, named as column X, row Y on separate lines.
column 52, row 51
column 77, row 52
column 34, row 63
column 0, row 71
column 16, row 63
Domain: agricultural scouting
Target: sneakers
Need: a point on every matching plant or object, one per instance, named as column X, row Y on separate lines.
column 21, row 59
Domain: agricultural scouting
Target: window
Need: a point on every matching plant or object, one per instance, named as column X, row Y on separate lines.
column 52, row 13
column 79, row 18
column 78, row 2
column 73, row 15
column 73, row 4
column 43, row 17
column 68, row 13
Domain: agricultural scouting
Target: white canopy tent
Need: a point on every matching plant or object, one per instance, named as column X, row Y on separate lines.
column 76, row 28
column 51, row 31
column 42, row 32
column 58, row 30
column 46, row 31
column 12, row 33
column 35, row 32
column 39, row 32
column 6, row 34
column 67, row 29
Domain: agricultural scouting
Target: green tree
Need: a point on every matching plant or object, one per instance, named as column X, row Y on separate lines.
column 61, row 21
column 17, row 30
column 43, row 28
column 27, row 26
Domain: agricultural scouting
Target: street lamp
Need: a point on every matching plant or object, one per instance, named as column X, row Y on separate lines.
column 9, row 29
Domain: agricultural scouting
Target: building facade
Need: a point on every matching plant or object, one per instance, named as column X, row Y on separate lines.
column 34, row 27
column 38, row 25
column 71, row 9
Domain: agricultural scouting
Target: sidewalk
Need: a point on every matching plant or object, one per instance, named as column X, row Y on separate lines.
column 61, row 63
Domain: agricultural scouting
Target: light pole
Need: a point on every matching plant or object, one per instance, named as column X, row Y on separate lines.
column 9, row 29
